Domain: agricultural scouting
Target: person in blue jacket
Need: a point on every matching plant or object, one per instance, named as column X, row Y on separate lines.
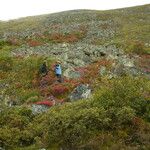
column 58, row 71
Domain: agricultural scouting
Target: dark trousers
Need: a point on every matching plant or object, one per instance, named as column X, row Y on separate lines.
column 59, row 77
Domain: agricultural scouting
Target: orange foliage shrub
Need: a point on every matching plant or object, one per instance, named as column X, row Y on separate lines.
column 33, row 43
column 69, row 37
column 14, row 41
column 59, row 89
column 144, row 63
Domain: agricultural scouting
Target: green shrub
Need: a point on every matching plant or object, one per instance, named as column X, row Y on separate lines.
column 6, row 62
column 13, row 123
column 112, row 110
column 125, row 114
column 9, row 137
column 137, row 47
column 22, row 76
column 126, row 92
column 32, row 99
column 70, row 125
column 147, row 111
column 26, row 94
column 3, row 43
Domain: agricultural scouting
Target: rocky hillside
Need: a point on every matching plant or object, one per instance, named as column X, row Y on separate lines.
column 81, row 37
column 104, row 99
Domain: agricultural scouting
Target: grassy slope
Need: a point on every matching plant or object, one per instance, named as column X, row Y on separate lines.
column 129, row 124
column 131, row 27
column 133, row 23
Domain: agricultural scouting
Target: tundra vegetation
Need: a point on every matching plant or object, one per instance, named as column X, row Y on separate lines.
column 107, row 50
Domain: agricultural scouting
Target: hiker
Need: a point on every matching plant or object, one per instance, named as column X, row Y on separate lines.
column 58, row 71
column 43, row 69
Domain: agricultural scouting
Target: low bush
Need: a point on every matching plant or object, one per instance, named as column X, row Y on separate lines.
column 120, row 111
column 59, row 89
column 13, row 123
column 22, row 76
column 137, row 47
column 6, row 63
column 4, row 43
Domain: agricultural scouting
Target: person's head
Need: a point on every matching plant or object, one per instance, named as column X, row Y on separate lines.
column 58, row 62
column 44, row 63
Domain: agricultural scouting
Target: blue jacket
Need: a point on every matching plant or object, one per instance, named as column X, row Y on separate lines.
column 58, row 69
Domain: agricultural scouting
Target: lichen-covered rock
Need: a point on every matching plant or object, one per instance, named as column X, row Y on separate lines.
column 133, row 71
column 126, row 61
column 119, row 70
column 102, row 71
column 80, row 92
column 71, row 73
column 36, row 109
column 78, row 62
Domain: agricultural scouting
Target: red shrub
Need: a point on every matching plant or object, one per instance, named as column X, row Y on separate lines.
column 72, row 83
column 82, row 70
column 59, row 89
column 33, row 43
column 14, row 41
column 46, row 102
column 138, row 123
column 69, row 37
column 144, row 63
column 44, row 91
column 49, row 79
column 57, row 37
column 18, row 85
